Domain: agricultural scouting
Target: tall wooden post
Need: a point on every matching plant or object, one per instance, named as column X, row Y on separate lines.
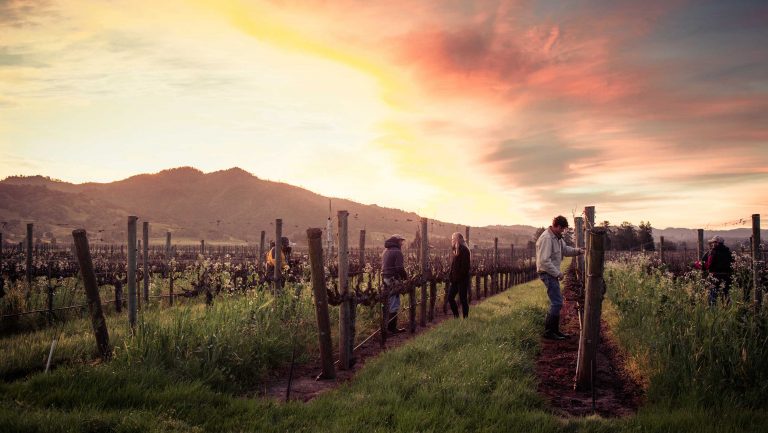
column 579, row 232
column 145, row 260
column 511, row 264
column 132, row 298
column 661, row 249
column 2, row 282
column 169, row 263
column 345, row 314
column 590, row 335
column 29, row 256
column 202, row 246
column 589, row 224
column 466, row 237
column 92, row 293
column 699, row 243
column 757, row 262
column 424, row 272
column 361, row 258
column 495, row 273
column 259, row 260
column 278, row 274
column 314, row 237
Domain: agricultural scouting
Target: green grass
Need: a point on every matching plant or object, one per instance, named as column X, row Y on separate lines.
column 464, row 375
column 692, row 355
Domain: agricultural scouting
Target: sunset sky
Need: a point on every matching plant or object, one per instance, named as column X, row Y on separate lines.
column 473, row 112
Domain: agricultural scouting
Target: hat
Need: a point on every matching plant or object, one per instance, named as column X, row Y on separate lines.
column 398, row 237
column 717, row 239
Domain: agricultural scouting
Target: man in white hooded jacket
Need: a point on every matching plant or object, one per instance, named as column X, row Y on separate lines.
column 550, row 250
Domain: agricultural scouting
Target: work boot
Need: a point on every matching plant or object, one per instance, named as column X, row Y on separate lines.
column 550, row 332
column 392, row 326
column 556, row 327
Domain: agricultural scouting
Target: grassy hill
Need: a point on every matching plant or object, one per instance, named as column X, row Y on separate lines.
column 229, row 206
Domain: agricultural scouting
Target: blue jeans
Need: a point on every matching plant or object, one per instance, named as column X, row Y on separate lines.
column 721, row 282
column 553, row 291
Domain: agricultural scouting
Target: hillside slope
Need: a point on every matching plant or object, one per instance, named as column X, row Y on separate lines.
column 225, row 206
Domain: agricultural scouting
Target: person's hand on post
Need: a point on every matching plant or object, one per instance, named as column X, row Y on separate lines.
column 561, row 276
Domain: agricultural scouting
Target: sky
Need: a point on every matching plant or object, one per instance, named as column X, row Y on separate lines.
column 472, row 112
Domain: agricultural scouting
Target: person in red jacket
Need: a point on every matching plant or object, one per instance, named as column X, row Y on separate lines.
column 459, row 275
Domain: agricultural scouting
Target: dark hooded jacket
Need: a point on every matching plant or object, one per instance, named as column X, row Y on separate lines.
column 460, row 265
column 392, row 260
column 719, row 260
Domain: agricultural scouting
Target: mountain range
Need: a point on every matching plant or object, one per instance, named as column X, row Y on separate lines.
column 229, row 206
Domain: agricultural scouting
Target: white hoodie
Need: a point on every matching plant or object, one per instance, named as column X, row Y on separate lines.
column 550, row 251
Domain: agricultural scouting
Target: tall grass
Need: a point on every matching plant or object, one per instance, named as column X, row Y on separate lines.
column 691, row 354
column 233, row 344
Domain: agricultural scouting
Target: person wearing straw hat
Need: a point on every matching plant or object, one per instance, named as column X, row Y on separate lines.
column 550, row 249
column 718, row 262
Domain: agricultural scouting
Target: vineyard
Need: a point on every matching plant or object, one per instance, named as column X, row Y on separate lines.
column 198, row 326
column 44, row 299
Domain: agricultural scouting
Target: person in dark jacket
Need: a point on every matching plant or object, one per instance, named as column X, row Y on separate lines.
column 392, row 270
column 718, row 262
column 459, row 275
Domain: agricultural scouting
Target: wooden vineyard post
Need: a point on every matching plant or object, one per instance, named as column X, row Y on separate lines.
column 315, row 241
column 756, row 262
column 495, row 272
column 511, row 264
column 202, row 247
column 361, row 259
column 2, row 282
column 579, row 232
column 478, row 291
column 699, row 244
column 145, row 260
column 169, row 259
column 92, row 293
column 432, row 299
column 590, row 335
column 261, row 249
column 346, row 342
column 30, row 230
column 424, row 255
column 278, row 271
column 661, row 249
column 589, row 224
column 118, row 296
column 132, row 298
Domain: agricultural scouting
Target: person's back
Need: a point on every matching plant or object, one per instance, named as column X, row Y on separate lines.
column 720, row 260
column 392, row 260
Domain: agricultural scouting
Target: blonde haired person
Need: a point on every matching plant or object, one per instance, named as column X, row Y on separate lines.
column 459, row 274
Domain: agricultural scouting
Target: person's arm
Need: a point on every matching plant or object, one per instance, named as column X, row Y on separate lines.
column 570, row 251
column 465, row 263
column 544, row 257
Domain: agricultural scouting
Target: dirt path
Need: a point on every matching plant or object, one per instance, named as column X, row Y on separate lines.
column 304, row 387
column 616, row 394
